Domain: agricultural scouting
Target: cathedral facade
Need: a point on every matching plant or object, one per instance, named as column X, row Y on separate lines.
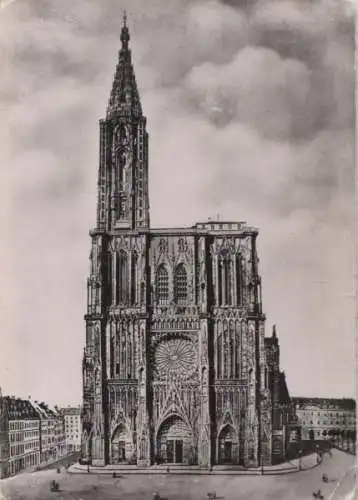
column 174, row 368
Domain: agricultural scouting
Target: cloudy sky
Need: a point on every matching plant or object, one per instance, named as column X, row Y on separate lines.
column 250, row 113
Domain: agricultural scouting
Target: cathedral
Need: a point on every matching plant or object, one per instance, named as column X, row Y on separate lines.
column 176, row 368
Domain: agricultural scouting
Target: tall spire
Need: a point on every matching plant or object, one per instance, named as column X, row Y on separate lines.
column 123, row 197
column 124, row 95
column 125, row 32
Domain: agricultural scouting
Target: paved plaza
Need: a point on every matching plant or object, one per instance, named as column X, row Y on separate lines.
column 294, row 485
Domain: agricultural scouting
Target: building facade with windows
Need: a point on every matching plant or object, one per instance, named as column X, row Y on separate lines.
column 23, row 435
column 73, row 428
column 4, row 438
column 322, row 418
column 174, row 368
column 52, row 432
column 30, row 434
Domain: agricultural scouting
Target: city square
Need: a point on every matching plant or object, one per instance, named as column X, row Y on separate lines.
column 294, row 485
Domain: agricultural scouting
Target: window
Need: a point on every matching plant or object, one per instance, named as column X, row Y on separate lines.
column 220, row 282
column 219, row 353
column 134, row 277
column 162, row 285
column 180, row 284
column 225, row 279
column 121, row 277
column 239, row 280
column 110, row 277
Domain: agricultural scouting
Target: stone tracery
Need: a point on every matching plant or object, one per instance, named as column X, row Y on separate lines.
column 175, row 358
column 180, row 337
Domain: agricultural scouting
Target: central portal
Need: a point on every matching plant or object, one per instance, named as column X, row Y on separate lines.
column 175, row 451
column 175, row 442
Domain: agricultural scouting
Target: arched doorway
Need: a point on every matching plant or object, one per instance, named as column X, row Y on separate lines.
column 175, row 442
column 227, row 446
column 121, row 445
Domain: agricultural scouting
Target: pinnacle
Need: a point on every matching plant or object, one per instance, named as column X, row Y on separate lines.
column 125, row 32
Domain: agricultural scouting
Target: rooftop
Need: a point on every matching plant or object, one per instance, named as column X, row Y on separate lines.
column 20, row 409
column 325, row 403
column 200, row 228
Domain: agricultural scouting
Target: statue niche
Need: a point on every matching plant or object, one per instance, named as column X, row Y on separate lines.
column 121, row 163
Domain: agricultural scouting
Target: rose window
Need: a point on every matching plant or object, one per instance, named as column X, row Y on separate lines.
column 175, row 357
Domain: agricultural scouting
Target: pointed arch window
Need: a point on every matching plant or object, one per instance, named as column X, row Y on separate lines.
column 228, row 282
column 219, row 355
column 180, row 284
column 220, row 285
column 225, row 280
column 239, row 280
column 225, row 367
column 162, row 285
column 219, row 350
column 122, row 277
column 134, row 278
column 129, row 361
column 109, row 277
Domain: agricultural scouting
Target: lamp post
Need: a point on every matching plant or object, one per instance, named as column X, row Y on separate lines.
column 299, row 459
column 317, row 453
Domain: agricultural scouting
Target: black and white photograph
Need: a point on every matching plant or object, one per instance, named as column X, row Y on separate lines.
column 178, row 250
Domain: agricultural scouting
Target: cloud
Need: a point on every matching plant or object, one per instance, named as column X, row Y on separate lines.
column 256, row 88
column 250, row 114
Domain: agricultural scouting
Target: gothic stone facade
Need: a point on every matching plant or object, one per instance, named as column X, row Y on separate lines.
column 174, row 368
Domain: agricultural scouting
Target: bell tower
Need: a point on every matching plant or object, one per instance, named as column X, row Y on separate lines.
column 123, row 198
column 116, row 285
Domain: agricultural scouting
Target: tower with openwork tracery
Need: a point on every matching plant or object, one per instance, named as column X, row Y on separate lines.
column 174, row 369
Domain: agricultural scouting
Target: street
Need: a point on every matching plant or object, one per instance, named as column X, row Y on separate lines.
column 295, row 486
column 62, row 462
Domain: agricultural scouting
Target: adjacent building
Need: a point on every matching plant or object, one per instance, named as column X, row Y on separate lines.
column 286, row 428
column 60, row 434
column 4, row 438
column 23, row 429
column 321, row 418
column 53, row 435
column 176, row 367
column 73, row 428
column 31, row 433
